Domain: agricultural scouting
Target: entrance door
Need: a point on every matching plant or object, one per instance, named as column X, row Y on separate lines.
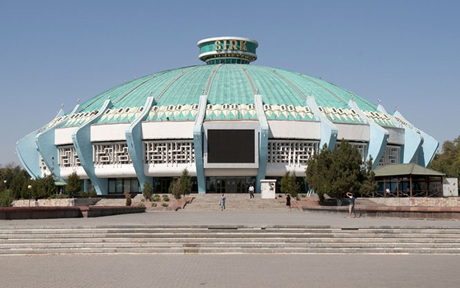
column 163, row 186
column 231, row 185
column 242, row 186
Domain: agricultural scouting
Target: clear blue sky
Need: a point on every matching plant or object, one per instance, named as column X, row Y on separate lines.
column 405, row 53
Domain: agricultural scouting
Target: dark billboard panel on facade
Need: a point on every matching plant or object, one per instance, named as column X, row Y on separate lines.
column 231, row 146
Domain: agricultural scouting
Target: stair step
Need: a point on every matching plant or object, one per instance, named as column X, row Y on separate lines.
column 228, row 239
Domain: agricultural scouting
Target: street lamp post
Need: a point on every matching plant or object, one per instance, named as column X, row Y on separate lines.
column 30, row 190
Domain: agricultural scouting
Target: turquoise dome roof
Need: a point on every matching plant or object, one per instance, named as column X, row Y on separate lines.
column 230, row 89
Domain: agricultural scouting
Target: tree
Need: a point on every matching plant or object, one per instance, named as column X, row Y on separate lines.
column 345, row 170
column 289, row 184
column 128, row 198
column 73, row 184
column 185, row 182
column 368, row 183
column 448, row 161
column 147, row 191
column 336, row 172
column 175, row 188
column 6, row 198
column 13, row 178
column 318, row 174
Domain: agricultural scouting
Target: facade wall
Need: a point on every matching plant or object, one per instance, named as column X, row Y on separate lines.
column 167, row 130
column 108, row 132
column 294, row 130
column 418, row 201
column 63, row 136
column 353, row 132
column 168, row 149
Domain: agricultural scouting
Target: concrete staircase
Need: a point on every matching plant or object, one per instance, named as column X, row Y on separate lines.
column 228, row 239
column 234, row 202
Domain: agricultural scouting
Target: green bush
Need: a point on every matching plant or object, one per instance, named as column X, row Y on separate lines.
column 185, row 183
column 84, row 194
column 154, row 204
column 141, row 205
column 175, row 188
column 142, row 200
column 128, row 198
column 304, row 195
column 58, row 196
column 93, row 194
column 166, row 199
column 165, row 204
column 6, row 198
column 289, row 184
column 73, row 184
column 156, row 199
column 156, row 196
column 148, row 191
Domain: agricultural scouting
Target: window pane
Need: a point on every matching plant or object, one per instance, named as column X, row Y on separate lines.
column 134, row 185
column 119, row 185
column 112, row 186
column 127, row 185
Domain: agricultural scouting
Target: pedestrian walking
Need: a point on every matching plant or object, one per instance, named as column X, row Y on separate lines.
column 288, row 201
column 251, row 191
column 222, row 202
column 351, row 206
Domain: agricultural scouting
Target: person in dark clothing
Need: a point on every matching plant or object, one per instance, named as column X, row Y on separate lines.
column 288, row 201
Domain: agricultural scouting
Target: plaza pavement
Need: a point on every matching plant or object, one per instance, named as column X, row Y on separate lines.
column 250, row 218
column 310, row 270
column 230, row 271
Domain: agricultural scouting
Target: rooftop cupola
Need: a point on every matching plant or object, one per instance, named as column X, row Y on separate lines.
column 228, row 50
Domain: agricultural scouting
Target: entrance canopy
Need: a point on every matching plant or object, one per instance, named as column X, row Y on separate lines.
column 60, row 183
column 408, row 180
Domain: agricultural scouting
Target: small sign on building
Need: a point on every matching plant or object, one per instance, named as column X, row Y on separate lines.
column 268, row 189
column 450, row 187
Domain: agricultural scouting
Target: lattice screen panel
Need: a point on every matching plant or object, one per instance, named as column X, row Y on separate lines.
column 293, row 153
column 390, row 156
column 68, row 157
column 171, row 152
column 111, row 153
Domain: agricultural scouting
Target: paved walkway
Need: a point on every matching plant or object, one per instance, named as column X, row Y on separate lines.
column 258, row 218
column 230, row 271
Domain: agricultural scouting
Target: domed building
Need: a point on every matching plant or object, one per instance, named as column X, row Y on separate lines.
column 228, row 122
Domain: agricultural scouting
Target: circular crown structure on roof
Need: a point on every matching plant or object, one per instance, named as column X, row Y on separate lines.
column 227, row 119
column 228, row 50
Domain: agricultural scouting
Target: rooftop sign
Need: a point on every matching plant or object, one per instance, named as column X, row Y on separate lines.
column 227, row 49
